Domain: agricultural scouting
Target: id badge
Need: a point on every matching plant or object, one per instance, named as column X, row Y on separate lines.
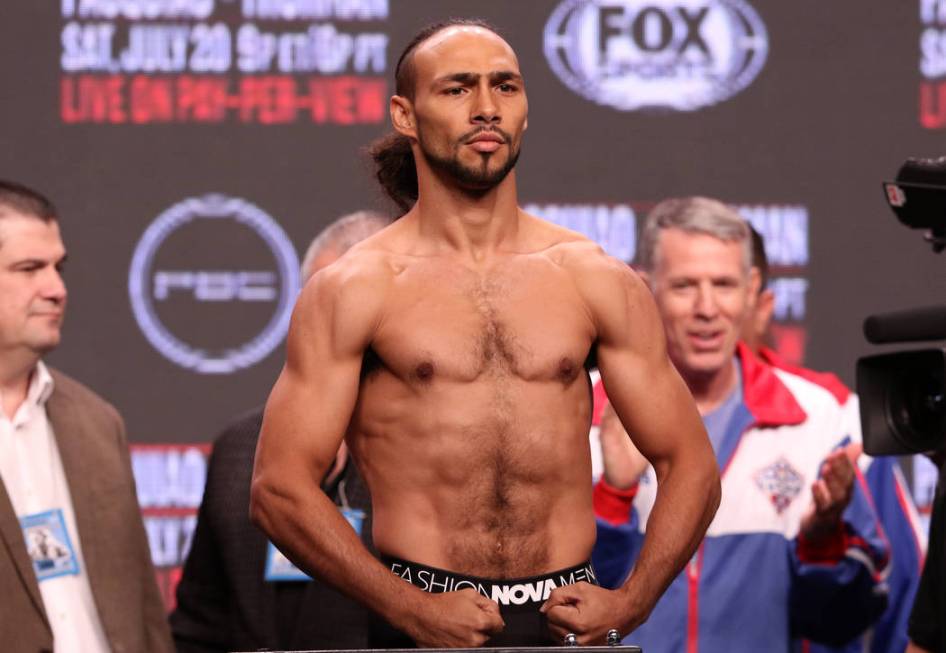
column 355, row 517
column 280, row 568
column 49, row 545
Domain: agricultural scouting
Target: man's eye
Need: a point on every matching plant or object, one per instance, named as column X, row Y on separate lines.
column 456, row 90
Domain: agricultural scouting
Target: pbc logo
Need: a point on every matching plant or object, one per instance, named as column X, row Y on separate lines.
column 212, row 284
column 656, row 54
column 218, row 286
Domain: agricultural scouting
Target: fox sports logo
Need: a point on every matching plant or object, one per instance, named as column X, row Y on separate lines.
column 678, row 55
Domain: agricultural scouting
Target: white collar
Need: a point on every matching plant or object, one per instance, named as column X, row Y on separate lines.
column 41, row 385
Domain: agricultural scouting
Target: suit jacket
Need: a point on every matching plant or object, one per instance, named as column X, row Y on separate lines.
column 90, row 436
column 224, row 602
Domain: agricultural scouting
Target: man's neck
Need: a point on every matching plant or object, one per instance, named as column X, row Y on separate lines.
column 711, row 389
column 15, row 373
column 471, row 224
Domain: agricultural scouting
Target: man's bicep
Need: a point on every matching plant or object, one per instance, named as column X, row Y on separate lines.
column 311, row 403
column 647, row 393
column 651, row 401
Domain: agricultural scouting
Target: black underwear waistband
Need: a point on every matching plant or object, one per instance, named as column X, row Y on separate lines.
column 506, row 591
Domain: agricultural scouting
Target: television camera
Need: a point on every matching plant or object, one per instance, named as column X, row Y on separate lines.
column 903, row 394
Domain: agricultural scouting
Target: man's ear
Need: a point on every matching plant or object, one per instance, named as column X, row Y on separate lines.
column 402, row 116
column 765, row 305
column 755, row 281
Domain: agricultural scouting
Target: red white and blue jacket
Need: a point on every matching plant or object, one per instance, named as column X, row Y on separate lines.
column 755, row 583
column 897, row 512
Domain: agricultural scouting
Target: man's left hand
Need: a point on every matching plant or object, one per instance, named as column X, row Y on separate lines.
column 830, row 494
column 588, row 612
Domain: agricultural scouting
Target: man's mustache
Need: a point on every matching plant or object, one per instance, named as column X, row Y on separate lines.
column 470, row 135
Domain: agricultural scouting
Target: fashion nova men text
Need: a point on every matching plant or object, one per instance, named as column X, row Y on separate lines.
column 532, row 591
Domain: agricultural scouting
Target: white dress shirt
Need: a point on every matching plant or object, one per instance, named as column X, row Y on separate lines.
column 31, row 471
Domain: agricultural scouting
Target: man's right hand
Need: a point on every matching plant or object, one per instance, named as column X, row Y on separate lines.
column 463, row 619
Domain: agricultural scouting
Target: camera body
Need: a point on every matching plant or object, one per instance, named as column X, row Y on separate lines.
column 903, row 394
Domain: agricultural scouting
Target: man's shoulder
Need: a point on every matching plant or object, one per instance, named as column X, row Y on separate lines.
column 230, row 467
column 572, row 250
column 558, row 242
column 240, row 434
column 68, row 389
column 354, row 285
column 366, row 264
column 818, row 402
column 598, row 276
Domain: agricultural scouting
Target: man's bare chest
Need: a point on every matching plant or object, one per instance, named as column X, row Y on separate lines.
column 462, row 327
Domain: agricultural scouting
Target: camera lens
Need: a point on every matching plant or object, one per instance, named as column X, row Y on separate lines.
column 918, row 409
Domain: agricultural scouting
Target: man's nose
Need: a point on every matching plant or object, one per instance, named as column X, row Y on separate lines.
column 706, row 305
column 54, row 287
column 485, row 108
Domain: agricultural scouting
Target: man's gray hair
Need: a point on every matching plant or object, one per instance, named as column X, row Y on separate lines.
column 695, row 215
column 343, row 234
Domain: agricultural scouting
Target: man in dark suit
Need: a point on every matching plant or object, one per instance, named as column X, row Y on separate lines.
column 237, row 591
column 75, row 569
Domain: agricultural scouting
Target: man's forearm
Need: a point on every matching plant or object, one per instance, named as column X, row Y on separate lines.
column 317, row 538
column 683, row 509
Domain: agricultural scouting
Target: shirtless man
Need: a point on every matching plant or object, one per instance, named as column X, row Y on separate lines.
column 448, row 352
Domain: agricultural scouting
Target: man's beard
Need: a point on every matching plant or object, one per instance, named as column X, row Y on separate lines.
column 475, row 178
